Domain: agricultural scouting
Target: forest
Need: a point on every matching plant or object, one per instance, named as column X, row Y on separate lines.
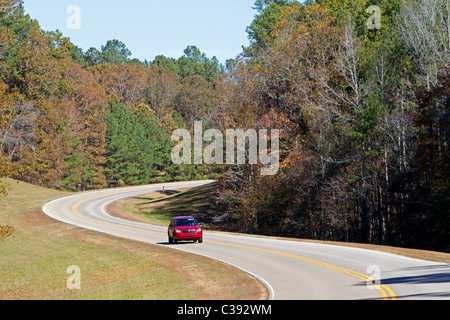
column 363, row 114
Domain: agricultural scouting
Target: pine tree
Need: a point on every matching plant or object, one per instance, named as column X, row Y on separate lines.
column 124, row 165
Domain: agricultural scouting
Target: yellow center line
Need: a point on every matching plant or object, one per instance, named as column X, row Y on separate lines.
column 361, row 276
column 74, row 210
column 391, row 292
column 323, row 264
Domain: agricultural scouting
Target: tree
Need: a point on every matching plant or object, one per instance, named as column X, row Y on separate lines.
column 425, row 27
column 343, row 94
column 269, row 13
column 115, row 52
column 194, row 62
column 14, row 26
column 93, row 57
column 431, row 216
column 6, row 169
column 157, row 147
column 124, row 136
column 126, row 82
column 86, row 137
column 161, row 89
column 39, row 70
column 169, row 64
column 196, row 101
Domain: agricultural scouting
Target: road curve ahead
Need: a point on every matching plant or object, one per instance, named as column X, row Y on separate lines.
column 291, row 270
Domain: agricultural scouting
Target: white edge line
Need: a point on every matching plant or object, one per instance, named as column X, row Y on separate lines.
column 262, row 280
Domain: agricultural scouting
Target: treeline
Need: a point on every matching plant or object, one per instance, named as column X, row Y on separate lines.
column 364, row 115
column 83, row 120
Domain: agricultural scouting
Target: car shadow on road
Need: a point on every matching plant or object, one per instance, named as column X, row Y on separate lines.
column 176, row 244
column 429, row 295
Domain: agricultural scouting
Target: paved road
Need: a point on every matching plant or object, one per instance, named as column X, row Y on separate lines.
column 291, row 270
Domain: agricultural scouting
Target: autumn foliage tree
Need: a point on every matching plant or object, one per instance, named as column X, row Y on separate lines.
column 57, row 127
column 357, row 124
column 362, row 113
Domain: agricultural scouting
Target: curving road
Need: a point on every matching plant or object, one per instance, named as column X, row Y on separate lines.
column 291, row 270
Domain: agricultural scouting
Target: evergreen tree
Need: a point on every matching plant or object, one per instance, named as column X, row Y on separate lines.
column 125, row 138
column 115, row 52
column 156, row 145
column 269, row 13
column 194, row 62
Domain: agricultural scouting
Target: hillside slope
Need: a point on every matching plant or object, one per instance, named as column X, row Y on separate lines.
column 35, row 259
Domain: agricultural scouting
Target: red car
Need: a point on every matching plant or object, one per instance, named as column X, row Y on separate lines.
column 185, row 229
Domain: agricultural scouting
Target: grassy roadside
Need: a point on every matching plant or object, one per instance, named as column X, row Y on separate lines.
column 152, row 209
column 33, row 262
column 158, row 209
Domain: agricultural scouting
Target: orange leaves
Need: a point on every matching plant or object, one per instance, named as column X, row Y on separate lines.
column 126, row 82
column 161, row 89
column 315, row 15
column 168, row 123
column 297, row 20
column 7, row 5
column 6, row 109
column 6, row 116
column 196, row 100
column 5, row 171
column 279, row 120
column 6, row 231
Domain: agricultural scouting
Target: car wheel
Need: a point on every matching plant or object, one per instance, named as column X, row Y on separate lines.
column 200, row 240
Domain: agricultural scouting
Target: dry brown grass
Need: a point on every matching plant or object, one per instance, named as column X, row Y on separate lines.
column 34, row 261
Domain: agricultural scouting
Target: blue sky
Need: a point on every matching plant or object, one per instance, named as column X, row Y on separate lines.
column 151, row 27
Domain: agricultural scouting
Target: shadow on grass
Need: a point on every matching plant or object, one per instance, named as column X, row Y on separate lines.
column 195, row 202
column 164, row 196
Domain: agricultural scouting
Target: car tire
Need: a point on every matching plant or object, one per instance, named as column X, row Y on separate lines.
column 200, row 240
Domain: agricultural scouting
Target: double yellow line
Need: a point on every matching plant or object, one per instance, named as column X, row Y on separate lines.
column 385, row 291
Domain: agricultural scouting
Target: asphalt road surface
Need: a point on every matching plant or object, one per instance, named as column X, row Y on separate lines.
column 291, row 270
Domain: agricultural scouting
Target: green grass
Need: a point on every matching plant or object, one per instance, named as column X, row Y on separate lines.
column 34, row 260
column 159, row 210
column 195, row 202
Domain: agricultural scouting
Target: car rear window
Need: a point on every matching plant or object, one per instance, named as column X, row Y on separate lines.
column 185, row 222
